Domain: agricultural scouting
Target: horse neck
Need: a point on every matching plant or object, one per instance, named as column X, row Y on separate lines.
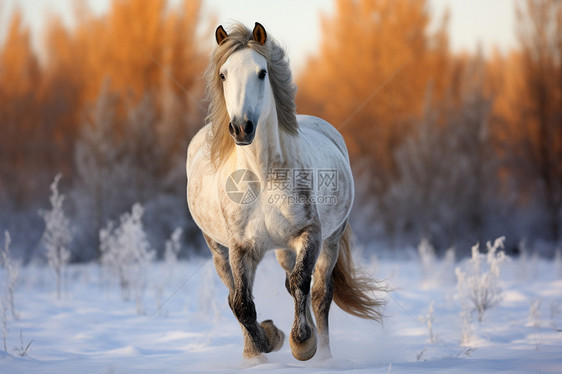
column 267, row 149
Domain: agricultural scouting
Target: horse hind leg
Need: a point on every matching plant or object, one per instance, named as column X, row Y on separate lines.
column 323, row 289
column 286, row 259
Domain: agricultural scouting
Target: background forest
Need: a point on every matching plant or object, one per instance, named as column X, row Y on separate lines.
column 454, row 148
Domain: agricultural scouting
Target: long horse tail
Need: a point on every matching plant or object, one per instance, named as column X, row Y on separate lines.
column 353, row 288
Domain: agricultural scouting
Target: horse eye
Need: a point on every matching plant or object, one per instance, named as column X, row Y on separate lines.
column 222, row 76
column 262, row 74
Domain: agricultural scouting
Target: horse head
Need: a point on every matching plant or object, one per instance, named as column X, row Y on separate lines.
column 247, row 90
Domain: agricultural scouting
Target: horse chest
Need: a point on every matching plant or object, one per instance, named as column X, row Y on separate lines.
column 261, row 223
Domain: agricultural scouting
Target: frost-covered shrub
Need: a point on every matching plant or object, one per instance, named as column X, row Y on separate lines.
column 56, row 237
column 207, row 300
column 478, row 284
column 555, row 311
column 171, row 252
column 527, row 263
column 435, row 272
column 466, row 331
column 126, row 253
column 427, row 258
column 428, row 320
column 535, row 313
column 4, row 313
column 448, row 266
column 173, row 247
column 11, row 275
column 558, row 263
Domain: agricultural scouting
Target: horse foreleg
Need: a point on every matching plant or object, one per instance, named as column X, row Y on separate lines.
column 258, row 338
column 222, row 264
column 303, row 336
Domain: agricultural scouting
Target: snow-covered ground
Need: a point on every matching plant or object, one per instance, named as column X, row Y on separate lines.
column 92, row 330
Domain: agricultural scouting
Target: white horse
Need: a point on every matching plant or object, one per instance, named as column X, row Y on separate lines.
column 259, row 177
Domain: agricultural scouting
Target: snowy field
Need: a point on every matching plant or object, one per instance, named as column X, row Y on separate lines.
column 91, row 329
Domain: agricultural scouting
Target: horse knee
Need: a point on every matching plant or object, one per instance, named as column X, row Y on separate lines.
column 299, row 283
column 322, row 288
column 322, row 295
column 243, row 308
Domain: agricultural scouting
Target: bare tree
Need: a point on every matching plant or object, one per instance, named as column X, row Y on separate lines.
column 447, row 169
column 538, row 129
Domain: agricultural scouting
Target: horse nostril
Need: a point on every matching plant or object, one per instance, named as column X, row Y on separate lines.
column 248, row 127
column 233, row 129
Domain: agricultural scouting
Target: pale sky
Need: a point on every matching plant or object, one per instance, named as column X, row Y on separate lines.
column 296, row 24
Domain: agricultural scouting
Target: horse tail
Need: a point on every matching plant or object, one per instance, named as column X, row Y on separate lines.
column 353, row 288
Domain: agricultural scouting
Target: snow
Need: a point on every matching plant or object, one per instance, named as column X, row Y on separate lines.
column 188, row 327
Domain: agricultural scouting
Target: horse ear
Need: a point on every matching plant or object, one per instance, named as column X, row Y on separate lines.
column 220, row 34
column 259, row 34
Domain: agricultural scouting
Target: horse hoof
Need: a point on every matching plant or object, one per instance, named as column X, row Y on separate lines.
column 304, row 350
column 274, row 336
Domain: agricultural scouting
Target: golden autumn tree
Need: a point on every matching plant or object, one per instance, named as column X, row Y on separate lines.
column 22, row 136
column 417, row 120
column 141, row 101
column 374, row 65
column 144, row 56
column 139, row 46
column 139, row 49
column 532, row 112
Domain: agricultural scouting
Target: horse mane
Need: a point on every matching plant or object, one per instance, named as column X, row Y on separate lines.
column 280, row 77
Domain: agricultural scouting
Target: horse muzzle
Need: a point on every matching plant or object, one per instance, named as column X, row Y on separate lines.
column 243, row 133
